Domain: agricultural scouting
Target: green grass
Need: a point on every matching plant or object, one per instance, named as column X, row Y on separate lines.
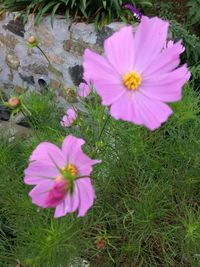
column 100, row 11
column 147, row 207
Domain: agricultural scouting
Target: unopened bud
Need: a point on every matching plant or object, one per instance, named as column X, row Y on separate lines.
column 71, row 95
column 32, row 40
column 101, row 243
column 14, row 102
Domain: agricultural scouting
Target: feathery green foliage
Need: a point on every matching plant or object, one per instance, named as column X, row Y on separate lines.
column 147, row 207
column 101, row 11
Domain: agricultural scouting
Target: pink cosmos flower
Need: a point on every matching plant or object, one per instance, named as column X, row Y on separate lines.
column 84, row 90
column 69, row 118
column 56, row 174
column 137, row 75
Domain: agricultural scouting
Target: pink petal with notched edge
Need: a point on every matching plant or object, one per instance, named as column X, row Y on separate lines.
column 166, row 87
column 120, row 48
column 86, row 195
column 153, row 113
column 141, row 110
column 150, row 39
column 48, row 154
column 40, row 192
column 39, row 172
column 69, row 204
column 125, row 108
column 166, row 61
column 71, row 147
column 177, row 75
column 84, row 90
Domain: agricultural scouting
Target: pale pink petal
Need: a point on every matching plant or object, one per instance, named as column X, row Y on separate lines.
column 48, row 154
column 57, row 193
column 109, row 92
column 153, row 113
column 150, row 39
column 125, row 108
column 84, row 90
column 61, row 210
column 165, row 93
column 72, row 113
column 166, row 61
column 166, row 87
column 69, row 118
column 172, row 77
column 169, row 43
column 107, row 82
column 86, row 195
column 119, row 49
column 40, row 192
column 39, row 172
column 70, row 204
column 65, row 122
column 73, row 152
column 86, row 170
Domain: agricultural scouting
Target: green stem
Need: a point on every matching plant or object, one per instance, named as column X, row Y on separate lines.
column 103, row 128
column 31, row 122
column 54, row 70
column 44, row 54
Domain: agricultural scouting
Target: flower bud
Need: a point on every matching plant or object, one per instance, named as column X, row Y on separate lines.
column 71, row 95
column 14, row 102
column 32, row 40
column 101, row 243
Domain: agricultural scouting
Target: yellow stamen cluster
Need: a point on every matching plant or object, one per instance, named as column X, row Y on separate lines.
column 72, row 169
column 132, row 80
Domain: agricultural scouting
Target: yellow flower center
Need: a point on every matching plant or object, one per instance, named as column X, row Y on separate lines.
column 132, row 80
column 70, row 170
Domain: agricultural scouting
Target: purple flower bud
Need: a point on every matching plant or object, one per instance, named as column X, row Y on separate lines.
column 135, row 12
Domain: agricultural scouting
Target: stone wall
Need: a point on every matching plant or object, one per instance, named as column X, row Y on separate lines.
column 22, row 67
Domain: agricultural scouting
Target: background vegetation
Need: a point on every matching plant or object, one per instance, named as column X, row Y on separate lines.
column 147, row 212
column 100, row 11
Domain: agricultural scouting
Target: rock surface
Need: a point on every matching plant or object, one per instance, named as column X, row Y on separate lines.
column 14, row 131
column 64, row 44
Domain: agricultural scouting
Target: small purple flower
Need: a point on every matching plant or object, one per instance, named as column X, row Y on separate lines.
column 69, row 118
column 135, row 12
column 84, row 90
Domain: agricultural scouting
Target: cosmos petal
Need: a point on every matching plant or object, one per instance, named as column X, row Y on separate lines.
column 45, row 153
column 87, row 195
column 40, row 192
column 120, row 48
column 106, row 80
column 153, row 113
column 150, row 39
column 69, row 204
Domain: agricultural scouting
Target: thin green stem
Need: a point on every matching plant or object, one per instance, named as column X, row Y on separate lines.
column 103, row 128
column 31, row 122
column 44, row 54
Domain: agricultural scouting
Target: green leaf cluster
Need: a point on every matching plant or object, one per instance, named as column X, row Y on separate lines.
column 100, row 11
column 148, row 189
